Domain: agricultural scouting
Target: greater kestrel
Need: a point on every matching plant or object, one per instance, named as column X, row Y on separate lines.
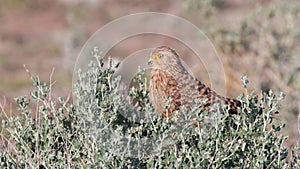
column 170, row 80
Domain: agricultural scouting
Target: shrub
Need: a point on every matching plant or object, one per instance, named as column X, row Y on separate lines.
column 106, row 128
column 266, row 45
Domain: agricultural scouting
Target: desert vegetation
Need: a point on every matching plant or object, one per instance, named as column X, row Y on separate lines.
column 100, row 125
column 98, row 131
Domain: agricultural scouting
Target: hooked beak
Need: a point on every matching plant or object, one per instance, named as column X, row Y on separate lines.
column 150, row 62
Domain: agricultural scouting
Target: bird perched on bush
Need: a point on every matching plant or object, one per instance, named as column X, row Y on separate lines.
column 172, row 84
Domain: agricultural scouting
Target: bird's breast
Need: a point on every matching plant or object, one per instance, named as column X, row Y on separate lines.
column 164, row 87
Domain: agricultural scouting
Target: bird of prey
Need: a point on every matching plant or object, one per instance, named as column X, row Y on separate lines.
column 172, row 84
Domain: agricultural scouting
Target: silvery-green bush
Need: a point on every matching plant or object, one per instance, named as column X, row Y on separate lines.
column 107, row 127
column 266, row 45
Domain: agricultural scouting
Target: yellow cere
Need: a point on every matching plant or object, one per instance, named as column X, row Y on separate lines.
column 156, row 57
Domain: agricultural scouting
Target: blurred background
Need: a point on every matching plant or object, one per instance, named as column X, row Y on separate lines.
column 257, row 38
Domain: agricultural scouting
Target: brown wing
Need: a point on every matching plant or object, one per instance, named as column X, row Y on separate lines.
column 213, row 98
column 164, row 87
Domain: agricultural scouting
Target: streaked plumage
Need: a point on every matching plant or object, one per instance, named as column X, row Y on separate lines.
column 169, row 79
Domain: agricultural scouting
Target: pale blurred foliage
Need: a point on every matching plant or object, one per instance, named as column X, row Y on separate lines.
column 258, row 38
column 267, row 47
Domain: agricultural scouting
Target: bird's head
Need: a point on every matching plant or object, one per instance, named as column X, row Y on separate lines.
column 163, row 57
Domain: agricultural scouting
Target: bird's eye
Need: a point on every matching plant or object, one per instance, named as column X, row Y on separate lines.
column 160, row 55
